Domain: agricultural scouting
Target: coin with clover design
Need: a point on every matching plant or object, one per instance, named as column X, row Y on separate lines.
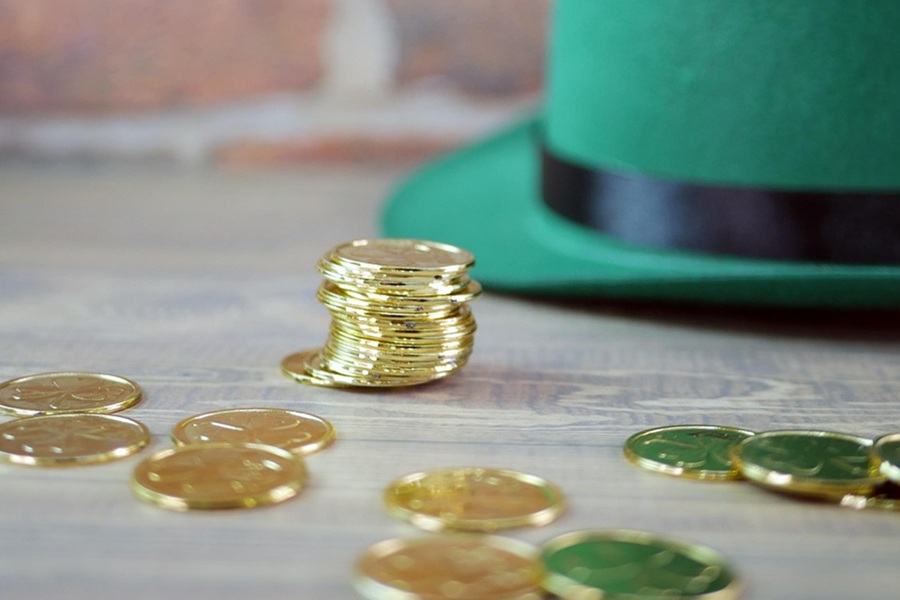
column 293, row 430
column 67, row 392
column 691, row 451
column 820, row 464
column 218, row 475
column 70, row 439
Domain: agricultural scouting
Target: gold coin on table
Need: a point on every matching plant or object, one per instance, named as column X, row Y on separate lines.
column 449, row 567
column 292, row 430
column 67, row 392
column 297, row 367
column 692, row 451
column 623, row 564
column 821, row 464
column 886, row 451
column 399, row 254
column 308, row 367
column 70, row 439
column 473, row 499
column 218, row 475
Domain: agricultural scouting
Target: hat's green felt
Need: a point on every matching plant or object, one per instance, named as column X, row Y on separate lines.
column 783, row 94
column 771, row 93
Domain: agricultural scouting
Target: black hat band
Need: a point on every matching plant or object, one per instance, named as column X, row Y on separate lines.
column 832, row 227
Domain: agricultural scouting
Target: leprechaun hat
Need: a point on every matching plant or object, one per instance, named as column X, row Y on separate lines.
column 691, row 150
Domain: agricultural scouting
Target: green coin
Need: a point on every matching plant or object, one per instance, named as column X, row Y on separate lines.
column 632, row 565
column 886, row 451
column 694, row 451
column 823, row 464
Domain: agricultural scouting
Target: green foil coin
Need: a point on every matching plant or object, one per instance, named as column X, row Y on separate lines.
column 692, row 451
column 633, row 565
column 821, row 464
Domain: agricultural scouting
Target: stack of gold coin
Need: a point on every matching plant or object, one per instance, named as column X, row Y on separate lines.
column 399, row 314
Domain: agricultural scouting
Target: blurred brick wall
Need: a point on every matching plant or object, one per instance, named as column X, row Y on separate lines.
column 247, row 82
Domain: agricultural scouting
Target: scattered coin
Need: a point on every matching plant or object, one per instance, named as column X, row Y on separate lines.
column 634, row 565
column 292, row 430
column 473, row 499
column 70, row 439
column 218, row 475
column 693, row 451
column 67, row 392
column 821, row 464
column 449, row 567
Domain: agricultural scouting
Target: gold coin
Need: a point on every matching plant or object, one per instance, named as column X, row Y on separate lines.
column 421, row 348
column 67, row 392
column 307, row 367
column 292, row 430
column 383, row 352
column 630, row 565
column 348, row 375
column 297, row 367
column 362, row 308
column 402, row 255
column 464, row 293
column 822, row 464
column 449, row 567
column 218, row 475
column 395, row 373
column 886, row 451
column 70, row 439
column 693, row 451
column 395, row 286
column 414, row 330
column 473, row 499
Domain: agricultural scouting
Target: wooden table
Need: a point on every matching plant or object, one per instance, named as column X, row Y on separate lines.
column 196, row 285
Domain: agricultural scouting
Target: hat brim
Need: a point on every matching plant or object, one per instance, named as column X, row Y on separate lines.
column 486, row 199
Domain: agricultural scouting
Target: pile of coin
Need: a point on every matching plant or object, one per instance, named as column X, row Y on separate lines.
column 466, row 560
column 844, row 469
column 399, row 315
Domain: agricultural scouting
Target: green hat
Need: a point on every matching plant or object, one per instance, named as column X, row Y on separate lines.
column 692, row 150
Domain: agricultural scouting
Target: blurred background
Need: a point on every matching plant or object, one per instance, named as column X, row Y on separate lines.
column 258, row 83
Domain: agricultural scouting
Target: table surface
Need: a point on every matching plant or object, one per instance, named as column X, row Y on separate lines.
column 196, row 285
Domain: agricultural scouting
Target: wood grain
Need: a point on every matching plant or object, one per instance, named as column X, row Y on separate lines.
column 196, row 285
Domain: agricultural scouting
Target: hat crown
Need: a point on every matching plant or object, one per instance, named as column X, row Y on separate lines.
column 787, row 94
